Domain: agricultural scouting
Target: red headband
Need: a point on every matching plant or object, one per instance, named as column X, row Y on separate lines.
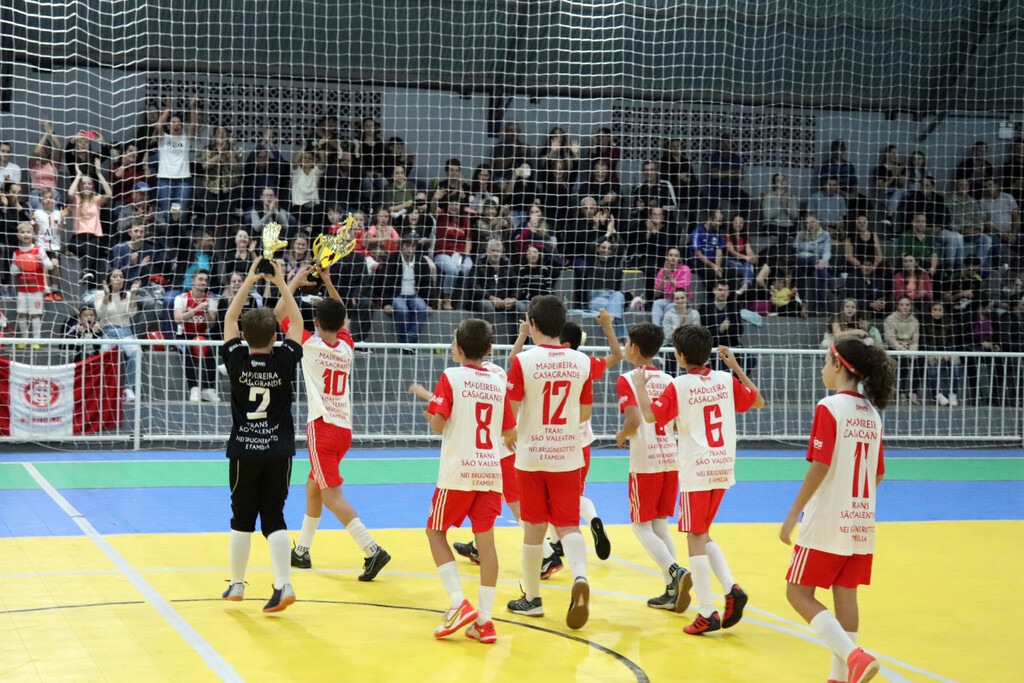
column 846, row 364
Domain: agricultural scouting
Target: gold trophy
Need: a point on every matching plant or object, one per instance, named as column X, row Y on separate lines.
column 271, row 243
column 329, row 248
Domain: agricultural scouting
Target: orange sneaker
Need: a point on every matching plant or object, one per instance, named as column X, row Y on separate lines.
column 861, row 666
column 482, row 632
column 456, row 618
column 702, row 624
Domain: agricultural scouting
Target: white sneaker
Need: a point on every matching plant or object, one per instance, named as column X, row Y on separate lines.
column 193, row 395
column 128, row 395
column 210, row 396
column 942, row 400
column 953, row 401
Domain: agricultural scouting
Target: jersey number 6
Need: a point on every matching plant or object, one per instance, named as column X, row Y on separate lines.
column 713, row 425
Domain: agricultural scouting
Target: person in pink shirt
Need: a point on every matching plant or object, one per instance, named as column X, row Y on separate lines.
column 675, row 275
column 88, row 239
column 42, row 166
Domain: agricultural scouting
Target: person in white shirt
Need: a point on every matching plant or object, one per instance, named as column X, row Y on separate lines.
column 173, row 173
column 10, row 172
column 836, row 542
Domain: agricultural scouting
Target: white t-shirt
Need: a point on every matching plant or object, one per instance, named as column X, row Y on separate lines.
column 551, row 382
column 475, row 402
column 327, row 370
column 500, row 373
column 48, row 236
column 306, row 186
column 651, row 448
column 704, row 403
column 998, row 211
column 11, row 173
column 840, row 516
column 174, row 156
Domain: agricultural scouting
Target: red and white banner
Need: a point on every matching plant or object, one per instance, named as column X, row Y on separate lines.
column 60, row 400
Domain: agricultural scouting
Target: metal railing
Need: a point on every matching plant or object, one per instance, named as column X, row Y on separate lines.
column 988, row 388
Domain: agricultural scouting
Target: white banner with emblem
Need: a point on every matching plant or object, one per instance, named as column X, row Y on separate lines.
column 42, row 399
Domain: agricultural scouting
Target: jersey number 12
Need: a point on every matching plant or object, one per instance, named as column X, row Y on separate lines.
column 551, row 392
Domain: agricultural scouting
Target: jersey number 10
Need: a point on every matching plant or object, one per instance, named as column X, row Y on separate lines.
column 334, row 382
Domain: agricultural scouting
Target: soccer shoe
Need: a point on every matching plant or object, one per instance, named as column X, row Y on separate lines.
column 579, row 604
column 128, row 395
column 735, row 601
column 528, row 608
column 301, row 561
column 557, row 547
column 482, row 632
column 551, row 564
column 468, row 551
column 684, row 582
column 373, row 564
column 602, row 546
column 193, row 395
column 666, row 600
column 941, row 399
column 953, row 401
column 860, row 666
column 235, row 592
column 281, row 598
column 210, row 396
column 455, row 618
column 702, row 625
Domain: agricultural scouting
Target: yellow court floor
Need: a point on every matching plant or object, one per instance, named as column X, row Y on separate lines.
column 945, row 605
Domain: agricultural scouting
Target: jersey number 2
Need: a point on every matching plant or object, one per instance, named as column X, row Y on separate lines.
column 334, row 382
column 551, row 392
column 261, row 394
column 713, row 425
column 483, row 425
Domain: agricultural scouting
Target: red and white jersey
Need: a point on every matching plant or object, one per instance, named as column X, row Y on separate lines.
column 475, row 402
column 551, row 382
column 704, row 403
column 503, row 450
column 327, row 369
column 597, row 368
column 652, row 448
column 31, row 263
column 840, row 516
column 197, row 325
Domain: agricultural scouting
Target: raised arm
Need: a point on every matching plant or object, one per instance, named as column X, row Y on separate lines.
column 108, row 192
column 524, row 334
column 329, row 284
column 614, row 349
column 727, row 356
column 193, row 118
column 298, row 280
column 235, row 309
column 291, row 307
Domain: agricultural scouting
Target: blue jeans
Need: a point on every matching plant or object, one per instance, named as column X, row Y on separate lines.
column 129, row 351
column 659, row 308
column 951, row 246
column 410, row 317
column 979, row 246
column 944, row 376
column 446, row 264
column 613, row 302
column 745, row 269
column 170, row 190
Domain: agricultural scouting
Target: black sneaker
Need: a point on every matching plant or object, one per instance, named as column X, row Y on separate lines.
column 373, row 564
column 301, row 561
column 666, row 600
column 735, row 601
column 684, row 582
column 528, row 608
column 579, row 604
column 557, row 547
column 468, row 551
column 552, row 563
column 602, row 546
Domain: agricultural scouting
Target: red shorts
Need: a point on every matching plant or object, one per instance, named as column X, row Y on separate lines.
column 652, row 495
column 550, row 497
column 509, row 479
column 697, row 509
column 450, row 507
column 817, row 568
column 328, row 444
column 586, row 468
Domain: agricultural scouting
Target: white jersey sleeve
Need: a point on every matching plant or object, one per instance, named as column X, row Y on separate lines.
column 499, row 372
column 652, row 448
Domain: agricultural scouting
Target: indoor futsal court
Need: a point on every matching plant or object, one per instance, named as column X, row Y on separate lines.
column 112, row 565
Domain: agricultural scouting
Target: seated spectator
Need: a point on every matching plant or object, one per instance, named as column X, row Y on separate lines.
column 589, row 226
column 395, row 155
column 559, row 148
column 606, row 285
column 10, row 172
column 828, row 205
column 82, row 151
column 174, row 174
column 679, row 313
column 344, row 187
column 510, row 153
column 175, row 231
column 652, row 191
column 323, row 140
column 813, row 252
column 307, row 170
column 963, row 292
column 865, row 266
column 537, row 233
column 453, row 249
column 403, row 284
column 944, row 373
column 136, row 257
column 88, row 238
column 221, row 188
column 902, row 333
column 239, row 259
column 848, row 318
column 602, row 148
column 84, row 327
column 707, row 244
column 780, row 210
column 917, row 171
column 138, row 207
column 927, row 201
column 233, row 283
column 740, row 256
column 420, row 227
column 115, row 308
column 270, row 211
column 520, row 193
column 200, row 257
column 494, row 283
column 920, row 244
column 911, row 282
column 128, row 170
column 724, row 177
column 399, row 196
column 533, row 278
column 449, row 188
column 838, row 166
column 785, row 299
column 1002, row 221
column 263, row 169
column 49, row 223
column 967, row 219
column 601, row 188
column 44, row 167
column 195, row 312
column 722, row 317
column 889, row 181
column 1011, row 174
column 555, row 194
column 353, row 282
column 298, row 254
column 676, row 169
column 492, row 223
column 674, row 277
column 381, row 239
column 976, row 169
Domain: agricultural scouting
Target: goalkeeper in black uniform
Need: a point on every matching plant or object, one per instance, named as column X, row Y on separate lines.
column 262, row 441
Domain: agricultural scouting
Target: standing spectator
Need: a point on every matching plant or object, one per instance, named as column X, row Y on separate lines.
column 740, row 255
column 494, row 284
column 43, row 166
column 139, row 207
column 917, row 170
column 369, row 151
column 606, row 285
column 976, row 169
column 1011, row 174
column 725, row 177
column 911, row 282
column 403, row 285
column 674, row 277
column 136, row 258
column 29, row 265
column 307, row 169
column 534, row 278
column 346, row 187
column 88, row 239
column 352, row 281
column 263, row 169
column 450, row 188
column 127, row 172
column 81, row 150
column 520, row 193
column 222, row 180
column 555, row 194
column 1002, row 220
column 453, row 249
column 538, row 233
column 510, row 153
column 780, row 210
column 889, row 180
column 559, row 148
column 49, row 223
column 649, row 243
column 270, row 211
column 10, row 172
column 174, row 175
column 84, row 327
column 813, row 249
column 115, row 308
column 722, row 317
column 195, row 311
column 239, row 259
column 708, row 245
column 602, row 147
column 944, row 373
column 967, row 219
column 399, row 196
column 902, row 333
column 652, row 191
column 920, row 243
column 14, row 211
column 676, row 169
column 600, row 186
column 838, row 167
column 581, row 233
column 828, row 205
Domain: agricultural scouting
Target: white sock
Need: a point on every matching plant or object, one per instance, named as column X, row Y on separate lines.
column 719, row 566
column 660, row 527
column 280, row 557
column 485, row 603
column 838, row 668
column 701, row 570
column 549, row 549
column 22, row 327
column 655, row 547
column 362, row 537
column 828, row 629
column 449, row 574
column 305, row 542
column 587, row 509
column 575, row 553
column 239, row 543
column 37, row 326
column 533, row 558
